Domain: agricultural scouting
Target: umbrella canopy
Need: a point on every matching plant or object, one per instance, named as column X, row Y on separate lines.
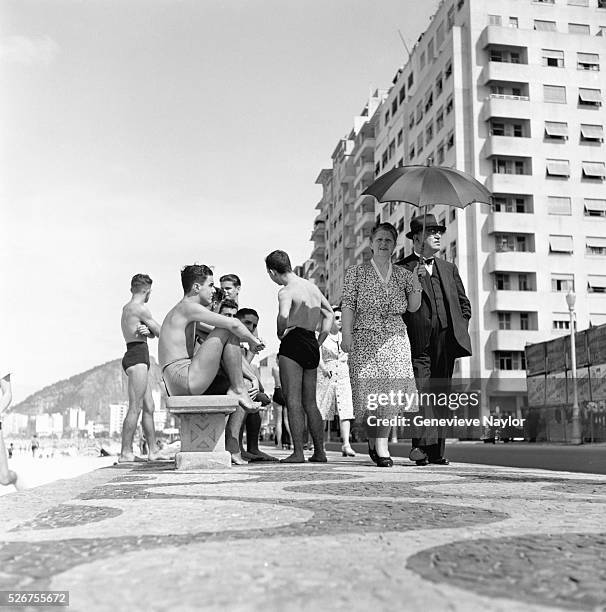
column 427, row 186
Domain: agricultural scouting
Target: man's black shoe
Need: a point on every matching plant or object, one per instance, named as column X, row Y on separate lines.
column 422, row 462
column 440, row 461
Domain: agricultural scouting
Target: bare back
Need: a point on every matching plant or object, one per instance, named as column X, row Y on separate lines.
column 306, row 301
column 132, row 316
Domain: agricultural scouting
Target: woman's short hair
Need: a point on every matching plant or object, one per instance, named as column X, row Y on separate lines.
column 388, row 227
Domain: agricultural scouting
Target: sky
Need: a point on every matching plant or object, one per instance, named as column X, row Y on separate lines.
column 144, row 135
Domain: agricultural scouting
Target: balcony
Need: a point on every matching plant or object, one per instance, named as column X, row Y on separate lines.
column 505, row 71
column 503, row 37
column 360, row 248
column 349, row 217
column 513, row 261
column 509, row 223
column 524, row 301
column 347, row 172
column 511, row 183
column 504, row 145
column 318, row 252
column 318, row 272
column 513, row 339
column 364, row 220
column 364, row 172
column 505, row 105
column 318, row 234
column 366, row 147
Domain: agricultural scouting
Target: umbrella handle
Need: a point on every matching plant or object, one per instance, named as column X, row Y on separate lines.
column 423, row 234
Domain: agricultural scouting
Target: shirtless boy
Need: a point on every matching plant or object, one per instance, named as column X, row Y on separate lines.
column 186, row 373
column 138, row 325
column 7, row 477
column 302, row 310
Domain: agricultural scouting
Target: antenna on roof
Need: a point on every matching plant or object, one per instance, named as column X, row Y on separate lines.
column 404, row 42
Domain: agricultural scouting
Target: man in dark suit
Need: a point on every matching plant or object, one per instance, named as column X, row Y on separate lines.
column 437, row 330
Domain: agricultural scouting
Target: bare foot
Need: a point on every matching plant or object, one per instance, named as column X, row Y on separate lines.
column 154, row 457
column 261, row 456
column 318, row 458
column 9, row 479
column 245, row 401
column 126, row 457
column 294, row 458
column 236, row 459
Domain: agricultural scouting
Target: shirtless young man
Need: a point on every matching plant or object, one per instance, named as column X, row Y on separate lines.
column 138, row 325
column 186, row 373
column 302, row 310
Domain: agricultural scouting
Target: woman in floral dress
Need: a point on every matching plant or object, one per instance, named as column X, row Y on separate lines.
column 375, row 295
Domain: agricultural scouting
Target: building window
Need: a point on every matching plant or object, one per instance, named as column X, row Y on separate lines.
column 510, row 204
column 557, row 167
column 561, row 324
column 402, row 94
column 377, row 168
column 596, row 284
column 524, row 283
column 419, row 112
column 392, row 149
column 590, row 97
column 507, row 243
column 411, row 152
column 592, row 133
column 460, row 4
column 494, row 20
column 439, row 85
column 449, row 105
column 394, row 106
column 560, row 244
column 411, row 121
column 601, row 3
column 544, row 26
column 453, row 251
column 595, row 246
column 384, row 159
column 440, row 153
column 594, row 208
column 387, row 117
column 450, row 141
column 439, row 119
column 450, row 18
column 554, row 93
column 544, row 1
column 552, row 58
column 502, row 165
column 513, row 22
column 524, row 320
column 452, row 215
column 562, row 283
column 400, row 136
column 502, row 281
column 411, row 80
column 578, row 2
column 556, row 130
column 422, row 60
column 594, row 170
column 504, row 320
column 420, row 143
column 509, row 360
column 429, row 101
column 559, row 205
column 588, row 61
column 429, row 133
column 448, row 70
column 578, row 28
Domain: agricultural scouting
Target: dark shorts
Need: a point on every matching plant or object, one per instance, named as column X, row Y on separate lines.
column 301, row 345
column 136, row 352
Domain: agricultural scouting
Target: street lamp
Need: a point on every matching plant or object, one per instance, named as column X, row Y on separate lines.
column 575, row 437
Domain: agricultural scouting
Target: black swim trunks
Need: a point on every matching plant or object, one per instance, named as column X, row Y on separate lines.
column 136, row 352
column 279, row 396
column 301, row 345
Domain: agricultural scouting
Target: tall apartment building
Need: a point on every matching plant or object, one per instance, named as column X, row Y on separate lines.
column 510, row 91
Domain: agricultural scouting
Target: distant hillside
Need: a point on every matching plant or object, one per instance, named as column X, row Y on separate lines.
column 92, row 391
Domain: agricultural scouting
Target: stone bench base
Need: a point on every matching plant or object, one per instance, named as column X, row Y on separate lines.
column 202, row 426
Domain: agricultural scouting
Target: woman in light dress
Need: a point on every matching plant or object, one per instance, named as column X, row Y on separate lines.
column 333, row 391
column 375, row 295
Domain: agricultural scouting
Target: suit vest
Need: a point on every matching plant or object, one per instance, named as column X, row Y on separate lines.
column 439, row 313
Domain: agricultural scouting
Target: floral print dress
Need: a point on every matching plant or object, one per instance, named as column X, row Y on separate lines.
column 379, row 361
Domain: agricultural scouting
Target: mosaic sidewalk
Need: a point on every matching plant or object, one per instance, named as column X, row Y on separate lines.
column 341, row 536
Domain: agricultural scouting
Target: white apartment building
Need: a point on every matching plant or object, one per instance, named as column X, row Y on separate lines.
column 510, row 91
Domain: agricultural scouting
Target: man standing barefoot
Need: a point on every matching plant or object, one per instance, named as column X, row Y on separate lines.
column 302, row 310
column 138, row 325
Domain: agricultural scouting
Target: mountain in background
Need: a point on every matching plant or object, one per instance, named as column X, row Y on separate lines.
column 92, row 391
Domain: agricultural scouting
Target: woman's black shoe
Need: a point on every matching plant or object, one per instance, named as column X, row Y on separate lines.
column 384, row 462
column 372, row 453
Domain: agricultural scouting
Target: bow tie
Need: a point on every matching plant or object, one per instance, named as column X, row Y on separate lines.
column 427, row 261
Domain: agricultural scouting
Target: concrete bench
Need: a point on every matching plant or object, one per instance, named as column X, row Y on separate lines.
column 202, row 426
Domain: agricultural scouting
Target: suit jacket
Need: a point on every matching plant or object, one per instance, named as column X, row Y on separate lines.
column 419, row 322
